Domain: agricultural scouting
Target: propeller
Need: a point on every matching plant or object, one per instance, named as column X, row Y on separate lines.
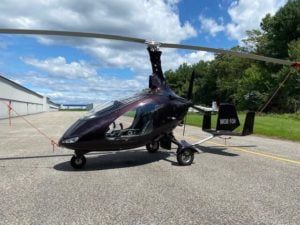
column 191, row 86
column 189, row 97
column 144, row 41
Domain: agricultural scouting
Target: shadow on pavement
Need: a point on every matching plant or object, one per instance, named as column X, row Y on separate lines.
column 205, row 149
column 41, row 156
column 216, row 150
column 116, row 160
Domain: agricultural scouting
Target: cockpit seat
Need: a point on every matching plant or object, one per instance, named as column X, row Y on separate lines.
column 143, row 118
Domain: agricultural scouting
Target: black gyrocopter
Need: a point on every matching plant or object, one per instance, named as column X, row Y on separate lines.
column 154, row 113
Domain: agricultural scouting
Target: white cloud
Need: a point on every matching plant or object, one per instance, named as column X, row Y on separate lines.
column 150, row 19
column 96, row 89
column 247, row 14
column 171, row 60
column 244, row 15
column 210, row 26
column 59, row 67
column 76, row 80
column 79, row 82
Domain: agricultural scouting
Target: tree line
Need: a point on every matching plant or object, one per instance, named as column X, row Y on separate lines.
column 248, row 83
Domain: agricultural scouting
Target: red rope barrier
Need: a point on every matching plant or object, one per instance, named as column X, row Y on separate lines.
column 9, row 112
column 275, row 92
column 296, row 65
column 52, row 142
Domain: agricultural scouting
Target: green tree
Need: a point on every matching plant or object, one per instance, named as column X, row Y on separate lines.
column 281, row 29
column 250, row 83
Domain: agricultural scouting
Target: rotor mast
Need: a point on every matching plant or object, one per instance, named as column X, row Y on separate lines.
column 156, row 80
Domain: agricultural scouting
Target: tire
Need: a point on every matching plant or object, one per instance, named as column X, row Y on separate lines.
column 185, row 157
column 78, row 161
column 152, row 147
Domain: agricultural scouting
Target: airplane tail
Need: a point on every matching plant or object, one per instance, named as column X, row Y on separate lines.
column 228, row 121
column 249, row 124
column 227, row 117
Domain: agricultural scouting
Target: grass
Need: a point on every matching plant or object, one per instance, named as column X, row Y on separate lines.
column 285, row 126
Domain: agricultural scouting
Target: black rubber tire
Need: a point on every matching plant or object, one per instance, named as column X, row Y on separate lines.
column 185, row 157
column 152, row 147
column 77, row 162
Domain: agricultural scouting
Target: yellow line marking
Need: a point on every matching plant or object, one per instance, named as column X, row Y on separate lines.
column 260, row 153
column 256, row 152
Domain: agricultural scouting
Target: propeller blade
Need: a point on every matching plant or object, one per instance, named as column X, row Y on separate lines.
column 143, row 41
column 73, row 34
column 191, row 85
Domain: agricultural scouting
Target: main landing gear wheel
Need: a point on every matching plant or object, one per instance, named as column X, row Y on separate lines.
column 185, row 157
column 78, row 161
column 152, row 147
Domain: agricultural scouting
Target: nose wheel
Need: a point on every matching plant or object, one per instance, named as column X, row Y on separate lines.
column 78, row 161
column 185, row 156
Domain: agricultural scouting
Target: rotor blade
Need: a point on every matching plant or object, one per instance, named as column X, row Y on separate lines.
column 143, row 41
column 229, row 52
column 73, row 34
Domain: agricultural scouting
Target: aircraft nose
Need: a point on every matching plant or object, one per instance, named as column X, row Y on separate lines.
column 71, row 135
column 67, row 140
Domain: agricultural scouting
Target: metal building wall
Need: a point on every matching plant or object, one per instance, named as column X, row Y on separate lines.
column 52, row 107
column 22, row 100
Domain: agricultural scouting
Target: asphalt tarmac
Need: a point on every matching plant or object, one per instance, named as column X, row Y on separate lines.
column 250, row 180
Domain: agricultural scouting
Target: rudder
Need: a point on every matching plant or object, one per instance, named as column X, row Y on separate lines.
column 227, row 118
column 249, row 123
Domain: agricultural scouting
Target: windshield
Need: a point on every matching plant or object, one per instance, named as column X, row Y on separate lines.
column 102, row 108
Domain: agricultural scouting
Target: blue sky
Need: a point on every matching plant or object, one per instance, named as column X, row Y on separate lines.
column 73, row 70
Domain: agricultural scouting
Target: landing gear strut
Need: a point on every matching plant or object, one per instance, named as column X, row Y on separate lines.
column 78, row 161
column 185, row 153
column 153, row 146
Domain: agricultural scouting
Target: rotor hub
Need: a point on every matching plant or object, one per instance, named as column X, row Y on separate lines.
column 153, row 45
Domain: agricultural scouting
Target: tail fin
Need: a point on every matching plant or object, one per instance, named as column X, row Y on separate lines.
column 227, row 119
column 249, row 124
column 206, row 123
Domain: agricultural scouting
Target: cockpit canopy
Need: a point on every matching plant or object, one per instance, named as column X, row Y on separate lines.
column 102, row 109
column 110, row 106
column 130, row 116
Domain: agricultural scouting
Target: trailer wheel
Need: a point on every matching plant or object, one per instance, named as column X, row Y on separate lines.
column 185, row 157
column 152, row 147
column 78, row 161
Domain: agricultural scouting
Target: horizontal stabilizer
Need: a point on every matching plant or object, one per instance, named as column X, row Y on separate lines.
column 205, row 109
